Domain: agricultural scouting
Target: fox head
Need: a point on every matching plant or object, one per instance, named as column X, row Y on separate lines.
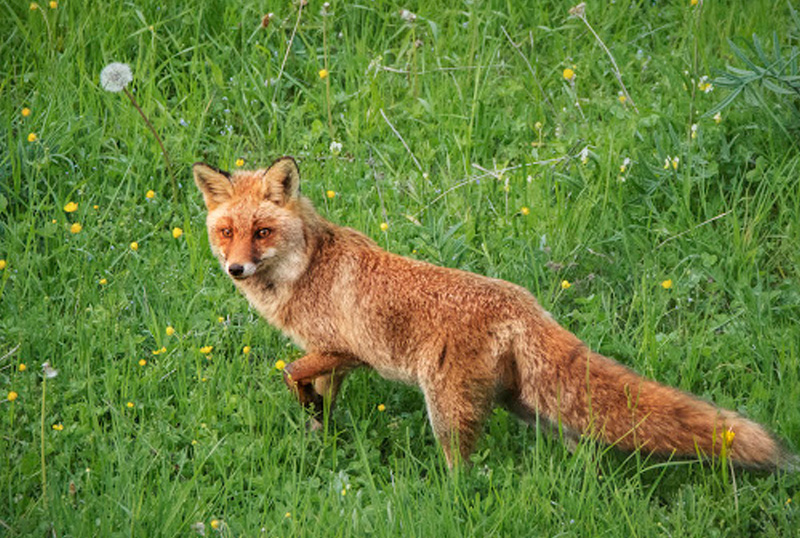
column 255, row 223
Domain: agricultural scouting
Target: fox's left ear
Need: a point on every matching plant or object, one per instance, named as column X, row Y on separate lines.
column 282, row 181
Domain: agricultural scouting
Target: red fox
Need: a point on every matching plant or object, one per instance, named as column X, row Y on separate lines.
column 468, row 341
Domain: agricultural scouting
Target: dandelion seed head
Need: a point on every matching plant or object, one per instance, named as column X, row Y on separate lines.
column 115, row 76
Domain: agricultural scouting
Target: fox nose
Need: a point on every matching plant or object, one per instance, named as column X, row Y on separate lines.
column 236, row 269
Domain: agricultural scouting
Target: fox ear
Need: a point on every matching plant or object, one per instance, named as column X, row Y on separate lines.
column 215, row 184
column 282, row 181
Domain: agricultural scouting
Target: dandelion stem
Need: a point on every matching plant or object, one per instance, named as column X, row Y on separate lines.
column 44, row 469
column 158, row 139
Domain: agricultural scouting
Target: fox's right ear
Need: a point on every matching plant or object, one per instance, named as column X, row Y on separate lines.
column 215, row 184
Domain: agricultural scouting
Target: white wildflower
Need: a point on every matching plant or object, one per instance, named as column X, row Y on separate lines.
column 694, row 130
column 49, row 371
column 115, row 76
column 336, row 147
column 585, row 155
column 407, row 16
column 624, row 166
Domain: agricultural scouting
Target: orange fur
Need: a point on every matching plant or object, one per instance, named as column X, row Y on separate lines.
column 468, row 341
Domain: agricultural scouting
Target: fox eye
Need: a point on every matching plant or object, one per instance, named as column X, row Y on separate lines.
column 263, row 233
column 226, row 232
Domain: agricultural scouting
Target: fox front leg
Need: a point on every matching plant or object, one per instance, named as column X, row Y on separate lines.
column 315, row 379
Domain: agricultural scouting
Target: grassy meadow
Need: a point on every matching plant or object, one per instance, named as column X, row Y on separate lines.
column 636, row 169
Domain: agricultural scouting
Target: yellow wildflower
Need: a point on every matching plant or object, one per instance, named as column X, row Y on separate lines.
column 240, row 162
column 26, row 112
column 170, row 330
column 103, row 281
column 34, row 6
column 160, row 351
column 58, row 427
column 12, row 396
column 76, row 228
column 280, row 365
column 221, row 319
column 177, row 232
column 568, row 74
column 323, row 73
column 134, row 245
column 246, row 350
column 728, row 437
column 22, row 367
column 205, row 350
column 53, row 4
column 142, row 362
column 565, row 285
column 2, row 264
column 71, row 207
column 622, row 98
column 384, row 226
column 381, row 408
column 32, row 137
column 667, row 284
column 525, row 210
column 215, row 524
column 330, row 194
column 694, row 2
column 130, row 405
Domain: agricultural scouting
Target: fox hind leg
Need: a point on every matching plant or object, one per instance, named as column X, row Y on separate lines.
column 457, row 413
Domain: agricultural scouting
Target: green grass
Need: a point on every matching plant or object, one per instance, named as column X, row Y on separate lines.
column 217, row 436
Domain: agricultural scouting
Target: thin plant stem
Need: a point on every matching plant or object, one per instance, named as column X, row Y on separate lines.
column 158, row 139
column 579, row 11
column 44, row 468
column 408, row 149
column 327, row 78
column 288, row 48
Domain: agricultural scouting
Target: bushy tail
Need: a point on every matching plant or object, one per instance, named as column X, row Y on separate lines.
column 594, row 395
